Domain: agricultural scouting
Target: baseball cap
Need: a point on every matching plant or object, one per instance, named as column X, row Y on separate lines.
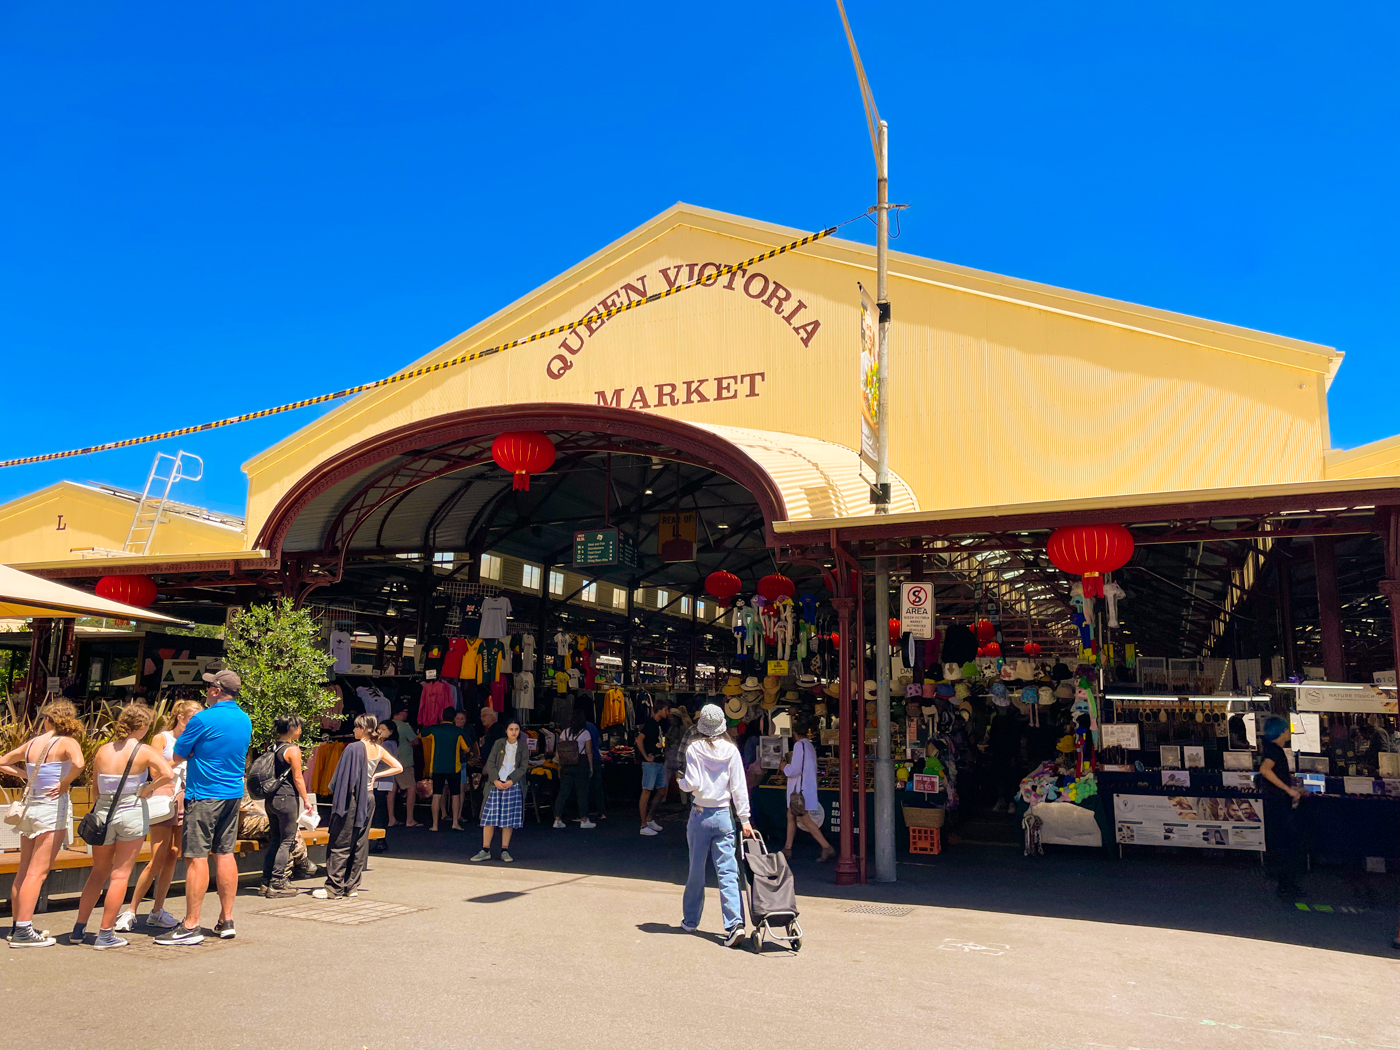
column 226, row 680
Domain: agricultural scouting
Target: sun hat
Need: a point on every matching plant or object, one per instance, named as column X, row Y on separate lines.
column 833, row 690
column 751, row 684
column 731, row 687
column 710, row 721
column 1046, row 695
column 806, row 681
column 1064, row 691
column 735, row 706
column 791, row 697
column 999, row 696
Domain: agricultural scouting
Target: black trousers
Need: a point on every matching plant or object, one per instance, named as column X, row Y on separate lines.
column 347, row 853
column 1285, row 858
column 282, row 812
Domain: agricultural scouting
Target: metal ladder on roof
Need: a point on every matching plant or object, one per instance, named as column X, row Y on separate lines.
column 154, row 497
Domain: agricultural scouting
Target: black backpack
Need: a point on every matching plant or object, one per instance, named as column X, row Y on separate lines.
column 262, row 779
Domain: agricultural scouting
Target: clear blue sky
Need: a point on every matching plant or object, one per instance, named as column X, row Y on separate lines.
column 210, row 208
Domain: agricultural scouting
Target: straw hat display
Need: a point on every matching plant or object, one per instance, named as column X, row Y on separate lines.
column 751, row 684
column 735, row 707
column 732, row 687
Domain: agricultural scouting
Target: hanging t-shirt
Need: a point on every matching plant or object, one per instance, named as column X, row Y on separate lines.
column 561, row 681
column 376, row 703
column 452, row 662
column 561, row 644
column 492, row 659
column 494, row 614
column 471, row 660
column 575, row 678
column 340, row 650
column 470, row 619
column 527, row 648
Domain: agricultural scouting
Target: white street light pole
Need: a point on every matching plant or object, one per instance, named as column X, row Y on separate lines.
column 884, row 764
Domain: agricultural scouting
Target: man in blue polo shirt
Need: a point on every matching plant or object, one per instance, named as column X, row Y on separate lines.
column 214, row 747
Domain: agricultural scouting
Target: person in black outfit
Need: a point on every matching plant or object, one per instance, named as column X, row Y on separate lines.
column 283, row 808
column 1280, row 817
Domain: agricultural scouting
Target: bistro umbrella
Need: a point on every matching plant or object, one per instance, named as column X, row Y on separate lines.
column 23, row 595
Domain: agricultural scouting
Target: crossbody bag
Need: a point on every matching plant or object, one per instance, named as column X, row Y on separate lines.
column 797, row 802
column 14, row 812
column 92, row 830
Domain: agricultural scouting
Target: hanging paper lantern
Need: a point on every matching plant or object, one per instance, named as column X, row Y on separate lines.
column 129, row 590
column 985, row 630
column 776, row 586
column 722, row 585
column 1090, row 551
column 523, row 452
column 1032, row 649
column 981, row 651
column 835, row 638
column 992, row 649
column 895, row 632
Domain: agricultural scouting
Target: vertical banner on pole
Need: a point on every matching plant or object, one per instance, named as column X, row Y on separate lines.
column 869, row 382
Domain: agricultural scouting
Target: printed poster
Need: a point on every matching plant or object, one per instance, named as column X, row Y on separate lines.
column 1183, row 820
column 869, row 380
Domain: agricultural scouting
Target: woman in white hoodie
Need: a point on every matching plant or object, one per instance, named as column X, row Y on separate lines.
column 714, row 776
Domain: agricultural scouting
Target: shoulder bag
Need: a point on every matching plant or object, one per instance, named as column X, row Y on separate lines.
column 14, row 812
column 797, row 802
column 94, row 831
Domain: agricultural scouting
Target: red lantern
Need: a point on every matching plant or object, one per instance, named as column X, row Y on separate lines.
column 981, row 651
column 722, row 585
column 835, row 638
column 1032, row 649
column 992, row 649
column 894, row 630
column 523, row 452
column 129, row 590
column 776, row 586
column 1090, row 551
column 985, row 630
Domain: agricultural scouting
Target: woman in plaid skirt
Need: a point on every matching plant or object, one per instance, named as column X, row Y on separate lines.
column 504, row 804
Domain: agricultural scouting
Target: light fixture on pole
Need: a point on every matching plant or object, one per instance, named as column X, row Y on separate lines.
column 880, row 495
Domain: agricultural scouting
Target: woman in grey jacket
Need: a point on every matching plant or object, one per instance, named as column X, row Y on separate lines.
column 504, row 804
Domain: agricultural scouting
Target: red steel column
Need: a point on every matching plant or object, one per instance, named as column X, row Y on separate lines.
column 1329, row 608
column 859, row 705
column 846, row 869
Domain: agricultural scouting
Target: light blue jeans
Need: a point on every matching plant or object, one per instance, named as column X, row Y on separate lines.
column 710, row 833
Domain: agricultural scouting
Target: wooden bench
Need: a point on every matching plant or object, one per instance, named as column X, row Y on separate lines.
column 70, row 869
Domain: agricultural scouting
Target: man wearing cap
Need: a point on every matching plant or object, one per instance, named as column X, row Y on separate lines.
column 214, row 747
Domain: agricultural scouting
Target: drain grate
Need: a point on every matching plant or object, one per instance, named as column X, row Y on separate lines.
column 357, row 912
column 894, row 910
column 144, row 947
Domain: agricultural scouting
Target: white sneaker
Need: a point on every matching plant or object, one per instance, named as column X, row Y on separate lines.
column 650, row 831
column 559, row 824
column 125, row 921
column 162, row 920
column 655, row 826
column 587, row 824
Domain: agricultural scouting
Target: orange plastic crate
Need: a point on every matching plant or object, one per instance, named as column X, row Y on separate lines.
column 925, row 840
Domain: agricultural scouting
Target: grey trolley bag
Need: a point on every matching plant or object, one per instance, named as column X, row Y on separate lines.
column 772, row 896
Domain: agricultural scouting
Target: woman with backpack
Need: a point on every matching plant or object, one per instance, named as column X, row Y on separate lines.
column 127, row 772
column 283, row 807
column 352, row 804
column 714, row 776
column 574, row 753
column 48, row 764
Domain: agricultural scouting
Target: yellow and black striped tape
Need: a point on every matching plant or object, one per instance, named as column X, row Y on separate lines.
column 414, row 373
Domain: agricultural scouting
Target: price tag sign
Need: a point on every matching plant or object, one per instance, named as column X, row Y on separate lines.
column 430, row 674
column 777, row 668
column 926, row 782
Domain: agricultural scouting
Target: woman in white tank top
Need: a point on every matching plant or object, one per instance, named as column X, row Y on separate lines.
column 127, row 772
column 48, row 764
column 166, row 834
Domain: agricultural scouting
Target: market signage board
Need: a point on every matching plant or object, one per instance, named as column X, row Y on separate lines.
column 1357, row 701
column 777, row 668
column 675, row 536
column 1180, row 820
column 925, row 782
column 1121, row 734
column 916, row 609
column 604, row 547
column 869, row 381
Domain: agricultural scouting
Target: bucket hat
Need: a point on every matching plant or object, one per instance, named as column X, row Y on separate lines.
column 710, row 721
